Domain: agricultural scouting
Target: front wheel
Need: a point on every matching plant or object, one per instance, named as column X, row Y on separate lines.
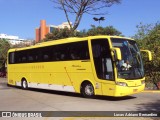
column 87, row 90
column 24, row 84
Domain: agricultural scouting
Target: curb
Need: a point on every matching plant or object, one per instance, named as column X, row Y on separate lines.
column 151, row 91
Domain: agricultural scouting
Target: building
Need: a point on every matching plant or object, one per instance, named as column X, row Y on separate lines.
column 44, row 29
column 15, row 40
column 8, row 37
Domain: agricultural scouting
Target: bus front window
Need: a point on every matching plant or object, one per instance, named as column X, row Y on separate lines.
column 131, row 66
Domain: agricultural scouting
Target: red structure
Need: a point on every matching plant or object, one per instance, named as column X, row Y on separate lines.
column 41, row 31
column 45, row 29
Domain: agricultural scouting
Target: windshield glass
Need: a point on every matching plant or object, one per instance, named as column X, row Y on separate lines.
column 131, row 66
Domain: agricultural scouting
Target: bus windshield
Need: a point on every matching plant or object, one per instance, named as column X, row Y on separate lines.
column 131, row 66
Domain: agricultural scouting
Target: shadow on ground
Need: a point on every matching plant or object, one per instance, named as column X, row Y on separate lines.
column 108, row 98
column 4, row 86
column 150, row 106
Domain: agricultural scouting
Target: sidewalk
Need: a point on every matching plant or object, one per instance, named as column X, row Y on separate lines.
column 151, row 91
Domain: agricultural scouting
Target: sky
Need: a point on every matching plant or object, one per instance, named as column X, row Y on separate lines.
column 21, row 17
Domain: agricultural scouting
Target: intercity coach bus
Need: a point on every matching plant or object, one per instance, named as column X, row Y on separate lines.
column 95, row 65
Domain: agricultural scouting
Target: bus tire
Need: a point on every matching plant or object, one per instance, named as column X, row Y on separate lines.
column 87, row 90
column 24, row 84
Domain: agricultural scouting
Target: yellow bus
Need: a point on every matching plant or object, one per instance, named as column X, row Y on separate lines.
column 94, row 65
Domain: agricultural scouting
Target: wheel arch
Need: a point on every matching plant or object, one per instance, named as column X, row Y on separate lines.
column 87, row 81
column 23, row 78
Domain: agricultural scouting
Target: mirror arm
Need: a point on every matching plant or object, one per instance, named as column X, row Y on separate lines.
column 148, row 53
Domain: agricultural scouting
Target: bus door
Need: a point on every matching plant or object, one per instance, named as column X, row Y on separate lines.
column 103, row 65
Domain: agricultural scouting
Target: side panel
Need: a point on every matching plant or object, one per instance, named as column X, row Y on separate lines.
column 77, row 72
column 58, row 67
column 52, row 75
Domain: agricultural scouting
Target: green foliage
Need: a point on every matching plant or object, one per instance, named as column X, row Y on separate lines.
column 59, row 34
column 65, row 33
column 21, row 45
column 109, row 30
column 148, row 37
column 143, row 31
column 4, row 46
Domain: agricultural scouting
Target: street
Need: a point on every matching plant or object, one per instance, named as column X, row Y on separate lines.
column 16, row 99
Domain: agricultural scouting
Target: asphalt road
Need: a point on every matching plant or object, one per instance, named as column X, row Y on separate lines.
column 16, row 99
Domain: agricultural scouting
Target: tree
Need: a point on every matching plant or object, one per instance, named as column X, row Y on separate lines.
column 65, row 33
column 148, row 37
column 81, row 7
column 142, row 33
column 59, row 34
column 109, row 30
column 4, row 47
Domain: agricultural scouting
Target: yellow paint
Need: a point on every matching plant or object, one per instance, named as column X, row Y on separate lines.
column 69, row 118
column 70, row 73
column 151, row 91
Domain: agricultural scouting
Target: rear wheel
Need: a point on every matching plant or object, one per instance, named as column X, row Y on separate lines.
column 87, row 90
column 24, row 84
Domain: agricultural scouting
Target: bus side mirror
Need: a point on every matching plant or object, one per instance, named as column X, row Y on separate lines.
column 117, row 54
column 148, row 53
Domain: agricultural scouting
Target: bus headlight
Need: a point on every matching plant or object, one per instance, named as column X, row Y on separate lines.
column 143, row 82
column 122, row 84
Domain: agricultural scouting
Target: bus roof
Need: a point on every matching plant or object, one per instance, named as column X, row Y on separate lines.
column 65, row 40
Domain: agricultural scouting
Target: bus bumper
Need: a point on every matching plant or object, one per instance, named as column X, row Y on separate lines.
column 124, row 90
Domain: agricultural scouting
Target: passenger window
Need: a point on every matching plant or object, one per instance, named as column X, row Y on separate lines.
column 11, row 58
column 63, row 52
column 79, row 50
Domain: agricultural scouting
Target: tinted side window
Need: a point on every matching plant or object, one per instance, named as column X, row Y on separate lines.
column 63, row 52
column 34, row 55
column 11, row 58
column 79, row 51
column 60, row 52
column 20, row 56
column 45, row 54
column 70, row 51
